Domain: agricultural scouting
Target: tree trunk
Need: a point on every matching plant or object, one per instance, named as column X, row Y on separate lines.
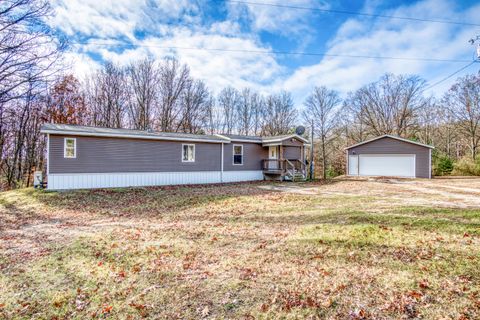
column 324, row 160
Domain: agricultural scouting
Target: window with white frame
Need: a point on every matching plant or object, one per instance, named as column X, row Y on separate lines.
column 188, row 153
column 237, row 154
column 70, row 148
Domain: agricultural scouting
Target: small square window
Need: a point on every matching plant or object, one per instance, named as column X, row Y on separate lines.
column 70, row 148
column 238, row 154
column 188, row 153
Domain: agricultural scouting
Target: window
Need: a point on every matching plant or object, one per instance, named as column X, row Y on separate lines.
column 70, row 148
column 188, row 153
column 237, row 154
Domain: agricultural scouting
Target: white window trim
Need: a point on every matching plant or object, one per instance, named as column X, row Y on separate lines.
column 188, row 144
column 233, row 155
column 74, row 148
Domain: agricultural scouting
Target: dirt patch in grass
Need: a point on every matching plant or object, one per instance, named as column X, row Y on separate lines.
column 343, row 250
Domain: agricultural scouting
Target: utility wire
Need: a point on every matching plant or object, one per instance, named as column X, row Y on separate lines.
column 449, row 76
column 353, row 13
column 321, row 54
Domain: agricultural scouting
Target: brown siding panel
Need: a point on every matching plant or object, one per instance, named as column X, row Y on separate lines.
column 292, row 153
column 253, row 154
column 393, row 146
column 104, row 155
column 292, row 142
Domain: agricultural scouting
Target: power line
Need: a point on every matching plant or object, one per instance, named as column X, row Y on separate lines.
column 354, row 13
column 321, row 54
column 449, row 76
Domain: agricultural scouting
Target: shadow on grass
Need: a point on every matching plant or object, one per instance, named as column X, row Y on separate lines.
column 174, row 198
column 455, row 221
column 156, row 200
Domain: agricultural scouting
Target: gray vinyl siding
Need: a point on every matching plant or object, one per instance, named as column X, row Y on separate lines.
column 388, row 145
column 292, row 149
column 253, row 154
column 107, row 155
column 292, row 142
column 292, row 153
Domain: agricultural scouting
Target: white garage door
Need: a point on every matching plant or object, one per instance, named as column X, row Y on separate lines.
column 394, row 165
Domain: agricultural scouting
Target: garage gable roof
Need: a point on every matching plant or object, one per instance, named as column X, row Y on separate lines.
column 392, row 137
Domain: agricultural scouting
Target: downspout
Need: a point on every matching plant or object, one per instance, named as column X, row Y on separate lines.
column 221, row 166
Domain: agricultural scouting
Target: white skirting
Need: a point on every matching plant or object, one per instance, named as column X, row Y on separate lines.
column 138, row 179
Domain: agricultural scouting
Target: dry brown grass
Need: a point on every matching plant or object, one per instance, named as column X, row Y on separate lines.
column 344, row 250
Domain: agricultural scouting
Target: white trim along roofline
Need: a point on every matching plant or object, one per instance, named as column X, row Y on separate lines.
column 275, row 139
column 131, row 136
column 393, row 137
column 266, row 139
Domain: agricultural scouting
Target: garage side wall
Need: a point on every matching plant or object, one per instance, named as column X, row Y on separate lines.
column 392, row 146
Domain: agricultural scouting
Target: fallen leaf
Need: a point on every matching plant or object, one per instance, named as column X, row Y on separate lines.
column 264, row 307
column 424, row 284
column 415, row 294
column 205, row 311
column 107, row 309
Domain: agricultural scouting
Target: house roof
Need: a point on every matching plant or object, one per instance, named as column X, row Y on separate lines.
column 69, row 129
column 238, row 137
column 392, row 137
column 280, row 138
column 127, row 133
column 258, row 139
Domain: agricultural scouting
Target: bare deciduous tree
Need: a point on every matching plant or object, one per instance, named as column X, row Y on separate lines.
column 245, row 112
column 321, row 108
column 195, row 106
column 107, row 96
column 279, row 114
column 257, row 106
column 29, row 50
column 228, row 101
column 143, row 80
column 463, row 103
column 174, row 78
column 390, row 105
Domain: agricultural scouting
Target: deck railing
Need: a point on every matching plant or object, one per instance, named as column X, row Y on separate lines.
column 284, row 166
column 273, row 165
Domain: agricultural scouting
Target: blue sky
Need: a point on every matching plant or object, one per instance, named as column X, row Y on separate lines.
column 152, row 27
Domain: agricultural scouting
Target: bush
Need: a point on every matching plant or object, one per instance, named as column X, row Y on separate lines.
column 467, row 167
column 332, row 172
column 442, row 165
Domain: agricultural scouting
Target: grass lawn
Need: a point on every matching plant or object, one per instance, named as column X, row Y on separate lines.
column 343, row 250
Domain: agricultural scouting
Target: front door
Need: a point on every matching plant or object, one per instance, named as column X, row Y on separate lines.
column 273, row 155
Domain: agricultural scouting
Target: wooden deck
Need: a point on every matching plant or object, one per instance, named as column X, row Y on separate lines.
column 284, row 169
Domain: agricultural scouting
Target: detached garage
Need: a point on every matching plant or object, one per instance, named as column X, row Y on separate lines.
column 390, row 156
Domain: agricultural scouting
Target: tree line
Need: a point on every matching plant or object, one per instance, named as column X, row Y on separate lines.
column 162, row 95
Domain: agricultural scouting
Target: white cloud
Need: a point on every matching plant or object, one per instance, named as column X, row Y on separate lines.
column 217, row 68
column 286, row 21
column 101, row 21
column 115, row 21
column 393, row 38
column 81, row 65
column 119, row 18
